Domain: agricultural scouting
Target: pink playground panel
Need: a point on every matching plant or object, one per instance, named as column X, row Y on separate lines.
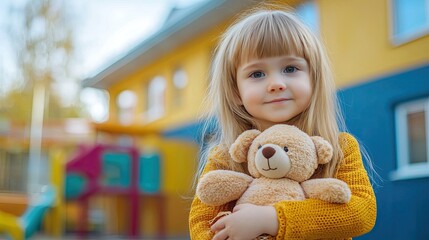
column 89, row 164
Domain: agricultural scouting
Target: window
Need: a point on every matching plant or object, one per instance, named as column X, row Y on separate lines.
column 410, row 20
column 309, row 14
column 155, row 107
column 126, row 102
column 13, row 171
column 180, row 80
column 412, row 139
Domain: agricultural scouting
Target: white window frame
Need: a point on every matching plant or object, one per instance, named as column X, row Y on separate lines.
column 398, row 38
column 156, row 90
column 180, row 82
column 405, row 170
column 126, row 103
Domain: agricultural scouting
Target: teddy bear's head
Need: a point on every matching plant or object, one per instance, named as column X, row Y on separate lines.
column 281, row 151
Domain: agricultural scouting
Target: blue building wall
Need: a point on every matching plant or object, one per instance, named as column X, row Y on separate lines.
column 369, row 109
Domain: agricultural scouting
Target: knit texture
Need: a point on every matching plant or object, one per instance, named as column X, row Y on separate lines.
column 308, row 219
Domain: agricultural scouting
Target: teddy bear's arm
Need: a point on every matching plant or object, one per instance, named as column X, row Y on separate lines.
column 327, row 189
column 218, row 187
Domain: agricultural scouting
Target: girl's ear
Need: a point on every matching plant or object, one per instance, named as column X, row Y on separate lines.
column 240, row 147
column 324, row 150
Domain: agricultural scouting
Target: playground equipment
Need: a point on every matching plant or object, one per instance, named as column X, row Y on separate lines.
column 48, row 199
column 114, row 170
column 101, row 169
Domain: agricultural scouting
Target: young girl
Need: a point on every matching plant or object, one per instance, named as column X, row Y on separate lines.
column 269, row 68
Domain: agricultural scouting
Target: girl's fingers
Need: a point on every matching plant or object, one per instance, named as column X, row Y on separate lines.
column 219, row 225
column 221, row 235
column 240, row 206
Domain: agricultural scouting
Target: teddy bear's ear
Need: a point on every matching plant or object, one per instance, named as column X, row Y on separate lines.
column 240, row 147
column 324, row 150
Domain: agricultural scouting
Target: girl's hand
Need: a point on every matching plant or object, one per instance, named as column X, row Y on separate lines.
column 246, row 222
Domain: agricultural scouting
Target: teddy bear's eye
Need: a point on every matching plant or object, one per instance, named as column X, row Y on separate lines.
column 259, row 146
column 286, row 149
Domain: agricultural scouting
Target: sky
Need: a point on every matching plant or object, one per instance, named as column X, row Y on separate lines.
column 119, row 26
column 104, row 30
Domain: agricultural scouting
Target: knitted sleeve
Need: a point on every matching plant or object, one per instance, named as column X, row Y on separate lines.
column 200, row 214
column 315, row 219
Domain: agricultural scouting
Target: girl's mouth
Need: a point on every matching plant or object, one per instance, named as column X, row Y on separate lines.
column 278, row 100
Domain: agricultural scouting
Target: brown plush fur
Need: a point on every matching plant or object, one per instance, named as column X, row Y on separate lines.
column 281, row 161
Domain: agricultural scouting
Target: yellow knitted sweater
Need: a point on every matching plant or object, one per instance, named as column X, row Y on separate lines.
column 311, row 218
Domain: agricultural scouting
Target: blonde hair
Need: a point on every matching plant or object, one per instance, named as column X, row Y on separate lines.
column 270, row 33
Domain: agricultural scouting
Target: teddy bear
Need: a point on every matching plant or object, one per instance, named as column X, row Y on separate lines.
column 281, row 161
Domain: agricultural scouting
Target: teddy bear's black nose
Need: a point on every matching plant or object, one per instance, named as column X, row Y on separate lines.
column 268, row 152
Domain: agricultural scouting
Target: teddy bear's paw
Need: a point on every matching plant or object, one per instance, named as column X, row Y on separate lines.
column 327, row 189
column 222, row 186
column 338, row 192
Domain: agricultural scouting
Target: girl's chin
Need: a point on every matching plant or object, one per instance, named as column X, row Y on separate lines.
column 267, row 124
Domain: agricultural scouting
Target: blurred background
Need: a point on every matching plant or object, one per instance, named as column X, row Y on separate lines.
column 99, row 106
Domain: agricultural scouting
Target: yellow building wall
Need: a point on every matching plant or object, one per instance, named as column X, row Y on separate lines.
column 357, row 36
column 194, row 58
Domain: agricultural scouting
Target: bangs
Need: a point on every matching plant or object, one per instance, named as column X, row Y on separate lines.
column 268, row 35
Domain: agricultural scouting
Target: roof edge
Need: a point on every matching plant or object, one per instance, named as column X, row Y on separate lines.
column 99, row 79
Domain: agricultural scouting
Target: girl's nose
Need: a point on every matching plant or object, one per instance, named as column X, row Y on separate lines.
column 276, row 85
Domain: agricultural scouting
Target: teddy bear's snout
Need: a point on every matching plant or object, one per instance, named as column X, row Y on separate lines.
column 268, row 152
column 271, row 161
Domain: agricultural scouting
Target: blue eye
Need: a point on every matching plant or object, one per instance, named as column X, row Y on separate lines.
column 290, row 69
column 257, row 74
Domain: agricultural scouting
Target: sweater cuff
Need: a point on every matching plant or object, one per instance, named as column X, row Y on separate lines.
column 282, row 223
